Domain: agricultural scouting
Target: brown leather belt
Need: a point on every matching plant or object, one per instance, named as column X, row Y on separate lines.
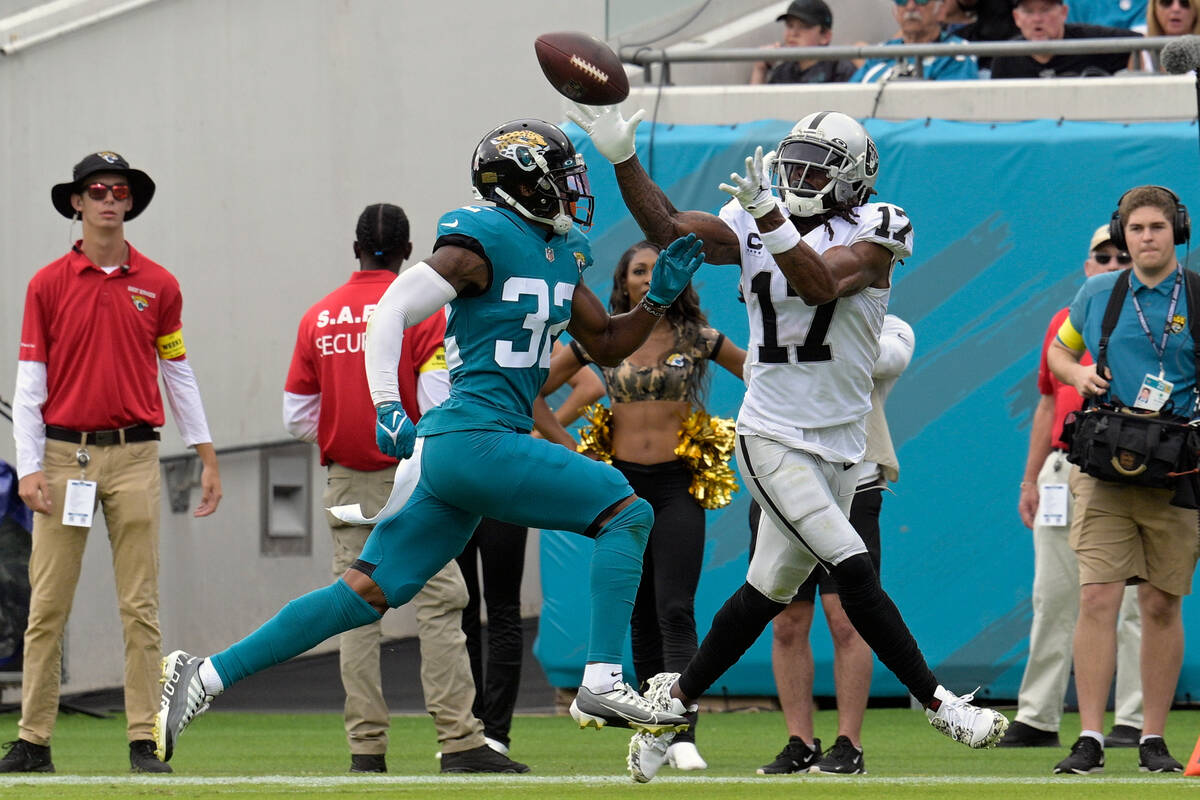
column 130, row 435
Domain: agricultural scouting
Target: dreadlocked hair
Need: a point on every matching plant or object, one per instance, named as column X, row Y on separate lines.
column 846, row 212
column 684, row 315
column 382, row 229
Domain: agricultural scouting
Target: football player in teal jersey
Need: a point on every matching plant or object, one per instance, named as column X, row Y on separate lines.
column 511, row 274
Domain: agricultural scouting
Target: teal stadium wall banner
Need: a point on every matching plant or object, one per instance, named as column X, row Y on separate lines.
column 1002, row 217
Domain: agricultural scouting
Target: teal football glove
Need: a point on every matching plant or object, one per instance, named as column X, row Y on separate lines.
column 674, row 268
column 395, row 433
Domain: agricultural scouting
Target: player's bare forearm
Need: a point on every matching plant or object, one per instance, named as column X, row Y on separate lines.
column 662, row 223
column 607, row 339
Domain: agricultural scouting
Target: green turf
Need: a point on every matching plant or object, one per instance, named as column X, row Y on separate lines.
column 246, row 755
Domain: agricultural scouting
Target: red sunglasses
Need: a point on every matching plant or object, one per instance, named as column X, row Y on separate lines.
column 99, row 191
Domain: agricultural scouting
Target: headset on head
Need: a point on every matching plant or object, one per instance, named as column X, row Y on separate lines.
column 1181, row 224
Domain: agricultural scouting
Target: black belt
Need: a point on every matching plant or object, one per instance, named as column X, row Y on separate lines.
column 134, row 433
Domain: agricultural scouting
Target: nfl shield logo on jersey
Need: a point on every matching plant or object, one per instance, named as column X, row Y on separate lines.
column 549, row 254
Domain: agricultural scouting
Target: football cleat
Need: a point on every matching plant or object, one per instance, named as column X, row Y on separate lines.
column 623, row 707
column 647, row 754
column 973, row 726
column 685, row 756
column 183, row 699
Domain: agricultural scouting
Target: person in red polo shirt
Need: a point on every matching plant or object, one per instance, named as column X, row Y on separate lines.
column 326, row 400
column 1045, row 507
column 100, row 324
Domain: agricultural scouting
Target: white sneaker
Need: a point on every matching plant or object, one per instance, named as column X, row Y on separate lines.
column 973, row 726
column 647, row 754
column 684, row 755
column 497, row 745
column 623, row 707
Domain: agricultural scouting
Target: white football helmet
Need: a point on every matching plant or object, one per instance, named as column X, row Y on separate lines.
column 831, row 143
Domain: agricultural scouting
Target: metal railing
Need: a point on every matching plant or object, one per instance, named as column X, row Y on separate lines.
column 646, row 57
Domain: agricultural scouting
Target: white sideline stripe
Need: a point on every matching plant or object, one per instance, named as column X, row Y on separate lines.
column 565, row 780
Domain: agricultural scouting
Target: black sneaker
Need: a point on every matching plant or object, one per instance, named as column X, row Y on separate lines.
column 142, row 758
column 1123, row 736
column 1021, row 735
column 480, row 759
column 23, row 756
column 841, row 759
column 1153, row 757
column 1087, row 758
column 796, row 756
column 368, row 762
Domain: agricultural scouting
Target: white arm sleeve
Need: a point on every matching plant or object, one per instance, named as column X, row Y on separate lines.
column 183, row 395
column 29, row 430
column 301, row 413
column 433, row 387
column 416, row 293
column 896, row 343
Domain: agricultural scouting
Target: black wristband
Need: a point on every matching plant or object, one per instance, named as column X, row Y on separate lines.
column 654, row 308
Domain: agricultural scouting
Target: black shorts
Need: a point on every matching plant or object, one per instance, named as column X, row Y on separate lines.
column 864, row 517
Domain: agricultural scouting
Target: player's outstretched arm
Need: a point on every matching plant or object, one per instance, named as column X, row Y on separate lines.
column 660, row 221
column 609, row 339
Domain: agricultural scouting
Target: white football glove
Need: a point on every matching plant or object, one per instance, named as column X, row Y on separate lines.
column 611, row 133
column 754, row 190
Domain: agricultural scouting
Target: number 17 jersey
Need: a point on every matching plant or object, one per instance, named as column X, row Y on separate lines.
column 808, row 368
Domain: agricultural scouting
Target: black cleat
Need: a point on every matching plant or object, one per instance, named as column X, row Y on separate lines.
column 23, row 756
column 480, row 759
column 368, row 762
column 1123, row 736
column 1021, row 735
column 142, row 758
column 796, row 756
column 1087, row 758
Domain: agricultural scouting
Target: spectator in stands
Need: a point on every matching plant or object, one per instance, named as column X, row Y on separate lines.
column 1046, row 21
column 1168, row 18
column 1111, row 13
column 958, row 14
column 920, row 23
column 807, row 23
column 1055, row 568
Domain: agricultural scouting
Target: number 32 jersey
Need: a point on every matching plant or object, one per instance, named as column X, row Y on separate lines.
column 498, row 342
column 808, row 368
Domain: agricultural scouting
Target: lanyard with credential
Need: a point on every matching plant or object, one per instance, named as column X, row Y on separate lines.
column 1161, row 348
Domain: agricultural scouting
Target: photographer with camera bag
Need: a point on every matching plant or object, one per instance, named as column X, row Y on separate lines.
column 1135, row 505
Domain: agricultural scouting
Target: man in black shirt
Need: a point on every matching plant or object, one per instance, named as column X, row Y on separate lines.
column 809, row 23
column 1046, row 20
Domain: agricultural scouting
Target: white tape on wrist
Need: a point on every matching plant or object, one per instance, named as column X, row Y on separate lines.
column 783, row 238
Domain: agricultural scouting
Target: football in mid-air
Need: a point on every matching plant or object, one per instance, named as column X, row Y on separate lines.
column 582, row 68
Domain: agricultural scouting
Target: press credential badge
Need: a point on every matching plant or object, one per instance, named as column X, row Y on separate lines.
column 80, row 501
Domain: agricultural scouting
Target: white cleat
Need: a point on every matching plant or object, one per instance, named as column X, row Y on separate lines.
column 647, row 754
column 684, row 755
column 975, row 727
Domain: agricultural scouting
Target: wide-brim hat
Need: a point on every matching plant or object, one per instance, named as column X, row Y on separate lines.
column 104, row 161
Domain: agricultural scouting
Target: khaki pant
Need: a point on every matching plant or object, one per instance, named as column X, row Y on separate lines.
column 128, row 492
column 445, row 668
column 1052, row 634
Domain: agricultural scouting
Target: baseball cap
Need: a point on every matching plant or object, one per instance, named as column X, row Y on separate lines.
column 1101, row 236
column 810, row 12
column 103, row 161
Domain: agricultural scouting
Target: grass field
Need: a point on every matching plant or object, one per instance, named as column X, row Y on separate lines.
column 249, row 755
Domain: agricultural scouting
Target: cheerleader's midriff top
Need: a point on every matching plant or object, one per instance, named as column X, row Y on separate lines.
column 670, row 378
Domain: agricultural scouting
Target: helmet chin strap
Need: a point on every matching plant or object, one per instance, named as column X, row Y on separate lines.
column 807, row 206
column 561, row 223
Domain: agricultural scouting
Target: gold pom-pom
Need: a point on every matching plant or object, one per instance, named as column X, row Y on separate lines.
column 706, row 444
column 595, row 438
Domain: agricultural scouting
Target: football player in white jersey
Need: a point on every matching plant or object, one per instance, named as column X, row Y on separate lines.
column 816, row 263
